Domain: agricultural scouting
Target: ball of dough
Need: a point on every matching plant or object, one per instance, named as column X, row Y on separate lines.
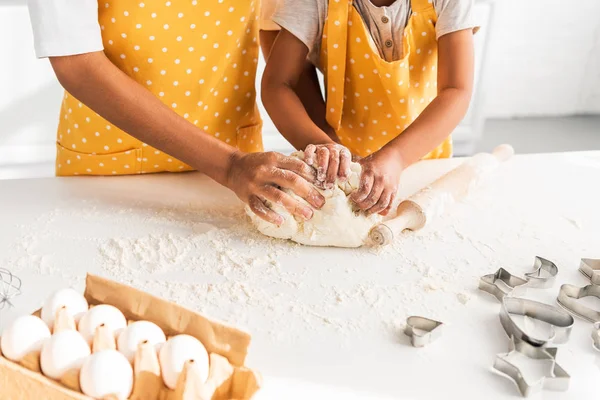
column 106, row 373
column 136, row 333
column 71, row 299
column 64, row 351
column 103, row 314
column 25, row 335
column 176, row 352
column 338, row 223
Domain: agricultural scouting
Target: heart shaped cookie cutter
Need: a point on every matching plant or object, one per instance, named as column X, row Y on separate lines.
column 560, row 321
column 590, row 267
column 422, row 331
column 569, row 295
column 557, row 379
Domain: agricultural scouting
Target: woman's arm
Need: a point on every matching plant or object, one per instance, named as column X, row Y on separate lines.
column 98, row 83
column 381, row 170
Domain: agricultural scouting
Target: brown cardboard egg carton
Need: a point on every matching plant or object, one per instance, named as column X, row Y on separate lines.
column 226, row 345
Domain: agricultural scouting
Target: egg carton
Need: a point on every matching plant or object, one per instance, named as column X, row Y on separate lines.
column 227, row 348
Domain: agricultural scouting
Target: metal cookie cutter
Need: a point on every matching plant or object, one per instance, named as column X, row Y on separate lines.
column 543, row 275
column 561, row 322
column 591, row 269
column 569, row 295
column 422, row 331
column 556, row 379
column 596, row 335
column 491, row 283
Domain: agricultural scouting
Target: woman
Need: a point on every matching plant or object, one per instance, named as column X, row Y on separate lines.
column 165, row 86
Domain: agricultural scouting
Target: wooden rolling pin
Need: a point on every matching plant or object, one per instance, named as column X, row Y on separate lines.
column 431, row 201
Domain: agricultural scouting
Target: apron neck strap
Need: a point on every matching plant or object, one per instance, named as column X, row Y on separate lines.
column 338, row 15
column 420, row 5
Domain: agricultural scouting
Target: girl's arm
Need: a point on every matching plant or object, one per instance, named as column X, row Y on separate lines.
column 381, row 171
column 99, row 84
column 282, row 84
column 308, row 88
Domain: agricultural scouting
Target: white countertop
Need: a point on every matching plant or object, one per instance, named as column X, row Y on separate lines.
column 328, row 318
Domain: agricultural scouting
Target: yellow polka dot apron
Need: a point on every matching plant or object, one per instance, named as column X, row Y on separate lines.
column 199, row 57
column 370, row 101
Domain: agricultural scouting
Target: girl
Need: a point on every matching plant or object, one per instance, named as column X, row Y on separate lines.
column 398, row 78
column 165, row 85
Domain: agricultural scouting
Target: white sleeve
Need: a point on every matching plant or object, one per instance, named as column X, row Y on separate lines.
column 454, row 15
column 65, row 27
column 304, row 19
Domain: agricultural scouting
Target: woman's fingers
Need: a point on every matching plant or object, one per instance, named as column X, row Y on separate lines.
column 290, row 180
column 294, row 207
column 259, row 208
column 389, row 207
column 298, row 167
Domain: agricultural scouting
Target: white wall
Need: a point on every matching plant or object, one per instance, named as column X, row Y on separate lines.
column 544, row 58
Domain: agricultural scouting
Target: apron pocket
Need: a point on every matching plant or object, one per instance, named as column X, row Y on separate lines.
column 249, row 138
column 69, row 162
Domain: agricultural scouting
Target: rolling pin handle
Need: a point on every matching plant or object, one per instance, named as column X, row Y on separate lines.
column 381, row 235
column 503, row 152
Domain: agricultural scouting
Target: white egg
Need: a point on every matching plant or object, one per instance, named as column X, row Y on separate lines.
column 64, row 351
column 176, row 352
column 74, row 301
column 25, row 335
column 103, row 314
column 136, row 333
column 106, row 373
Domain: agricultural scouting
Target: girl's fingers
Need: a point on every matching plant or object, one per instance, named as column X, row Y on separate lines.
column 373, row 196
column 259, row 208
column 383, row 202
column 309, row 154
column 332, row 169
column 345, row 160
column 322, row 163
column 389, row 207
column 366, row 183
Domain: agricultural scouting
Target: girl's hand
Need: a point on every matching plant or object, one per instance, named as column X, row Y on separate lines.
column 258, row 177
column 331, row 161
column 379, row 181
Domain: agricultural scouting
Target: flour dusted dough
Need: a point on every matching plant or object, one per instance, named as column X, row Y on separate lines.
column 336, row 224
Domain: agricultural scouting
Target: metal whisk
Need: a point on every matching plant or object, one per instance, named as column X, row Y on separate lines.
column 10, row 286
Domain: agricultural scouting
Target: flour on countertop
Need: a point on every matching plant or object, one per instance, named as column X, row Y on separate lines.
column 213, row 260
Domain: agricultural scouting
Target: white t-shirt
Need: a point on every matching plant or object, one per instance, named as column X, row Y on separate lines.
column 305, row 19
column 65, row 27
column 68, row 27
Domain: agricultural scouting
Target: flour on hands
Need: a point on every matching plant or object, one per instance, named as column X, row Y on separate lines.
column 338, row 223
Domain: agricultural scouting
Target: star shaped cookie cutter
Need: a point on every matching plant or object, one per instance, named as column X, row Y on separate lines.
column 503, row 283
column 560, row 321
column 569, row 295
column 596, row 336
column 422, row 331
column 557, row 380
column 590, row 267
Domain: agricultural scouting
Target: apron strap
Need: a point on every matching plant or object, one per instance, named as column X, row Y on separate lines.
column 420, row 5
column 337, row 45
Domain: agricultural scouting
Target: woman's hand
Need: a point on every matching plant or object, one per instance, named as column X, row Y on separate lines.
column 379, row 181
column 258, row 177
column 331, row 161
